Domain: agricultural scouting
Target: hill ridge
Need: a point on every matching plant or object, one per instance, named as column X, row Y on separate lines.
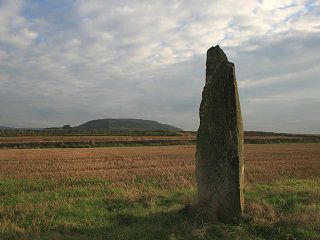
column 114, row 124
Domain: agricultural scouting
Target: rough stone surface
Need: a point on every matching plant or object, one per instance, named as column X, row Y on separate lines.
column 219, row 154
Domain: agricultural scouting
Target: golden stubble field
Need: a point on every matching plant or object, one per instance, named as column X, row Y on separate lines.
column 166, row 165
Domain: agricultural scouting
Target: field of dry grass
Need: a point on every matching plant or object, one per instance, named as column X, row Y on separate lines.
column 97, row 138
column 40, row 140
column 171, row 165
column 138, row 193
column 56, row 141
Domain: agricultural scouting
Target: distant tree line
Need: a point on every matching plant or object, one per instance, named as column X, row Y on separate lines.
column 66, row 130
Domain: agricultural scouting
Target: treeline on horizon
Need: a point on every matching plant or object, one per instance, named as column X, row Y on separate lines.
column 80, row 132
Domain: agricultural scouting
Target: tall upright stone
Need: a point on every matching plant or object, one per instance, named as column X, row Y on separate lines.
column 219, row 152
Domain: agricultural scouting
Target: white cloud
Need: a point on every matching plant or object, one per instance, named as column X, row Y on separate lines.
column 289, row 78
column 310, row 94
column 14, row 28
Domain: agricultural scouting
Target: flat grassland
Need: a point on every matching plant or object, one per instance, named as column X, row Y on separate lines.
column 175, row 164
column 140, row 193
column 92, row 140
column 52, row 139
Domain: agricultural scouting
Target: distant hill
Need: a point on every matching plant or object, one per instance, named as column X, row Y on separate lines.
column 2, row 127
column 127, row 125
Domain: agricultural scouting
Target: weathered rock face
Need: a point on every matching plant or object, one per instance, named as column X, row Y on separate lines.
column 219, row 154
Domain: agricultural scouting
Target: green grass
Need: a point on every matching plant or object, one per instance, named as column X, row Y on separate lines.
column 93, row 209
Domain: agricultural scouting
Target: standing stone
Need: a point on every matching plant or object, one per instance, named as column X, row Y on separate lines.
column 219, row 153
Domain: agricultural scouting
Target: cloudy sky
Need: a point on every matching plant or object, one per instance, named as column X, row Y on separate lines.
column 67, row 62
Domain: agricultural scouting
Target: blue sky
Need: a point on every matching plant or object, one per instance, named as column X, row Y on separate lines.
column 67, row 62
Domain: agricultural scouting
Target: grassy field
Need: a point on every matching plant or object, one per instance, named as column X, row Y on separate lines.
column 140, row 193
column 88, row 141
column 65, row 139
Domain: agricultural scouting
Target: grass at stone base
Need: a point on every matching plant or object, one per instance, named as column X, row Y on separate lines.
column 92, row 209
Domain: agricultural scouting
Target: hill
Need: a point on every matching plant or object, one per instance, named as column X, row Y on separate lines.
column 3, row 127
column 127, row 125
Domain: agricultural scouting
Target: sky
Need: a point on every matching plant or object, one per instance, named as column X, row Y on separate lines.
column 71, row 61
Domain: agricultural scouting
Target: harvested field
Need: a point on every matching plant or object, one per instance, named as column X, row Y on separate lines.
column 176, row 138
column 140, row 193
column 92, row 141
column 166, row 165
column 83, row 138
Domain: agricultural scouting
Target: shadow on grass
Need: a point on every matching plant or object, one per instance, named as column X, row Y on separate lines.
column 166, row 225
column 131, row 220
column 171, row 225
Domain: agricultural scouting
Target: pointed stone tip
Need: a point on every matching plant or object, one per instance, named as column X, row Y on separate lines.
column 216, row 52
column 216, row 48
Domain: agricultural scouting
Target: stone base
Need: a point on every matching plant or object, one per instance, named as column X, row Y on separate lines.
column 209, row 213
